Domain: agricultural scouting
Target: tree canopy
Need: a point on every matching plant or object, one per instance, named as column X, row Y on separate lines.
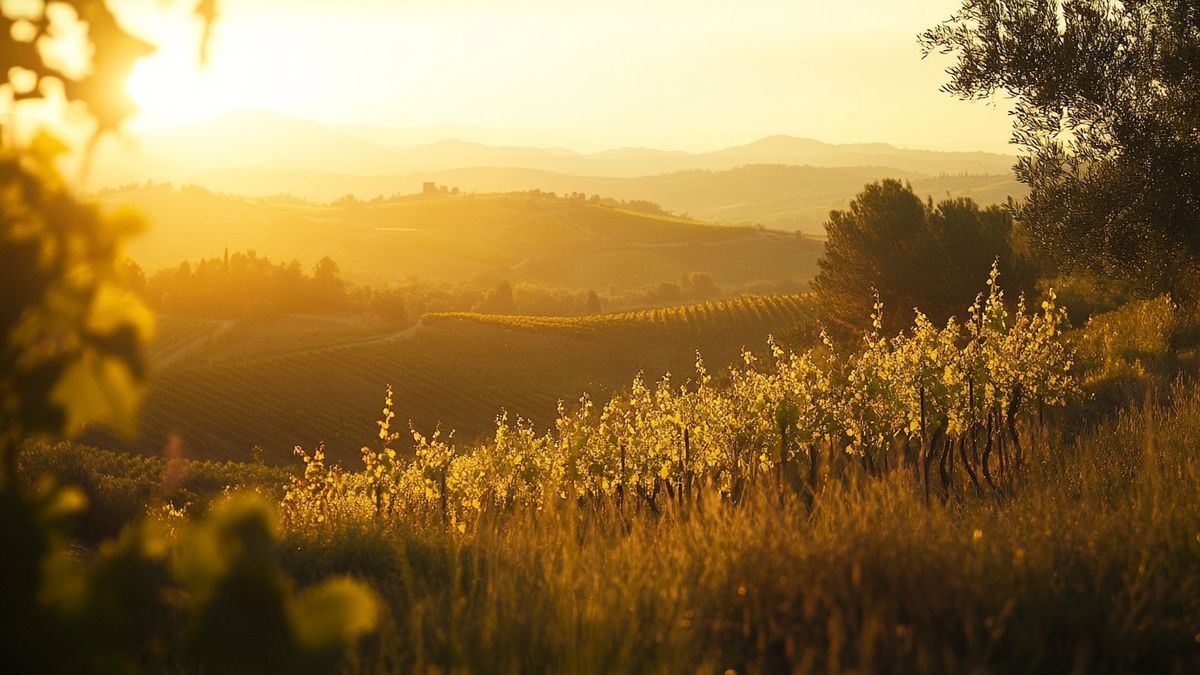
column 1107, row 109
column 913, row 254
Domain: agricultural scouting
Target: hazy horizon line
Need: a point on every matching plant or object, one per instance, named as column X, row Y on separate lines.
column 556, row 139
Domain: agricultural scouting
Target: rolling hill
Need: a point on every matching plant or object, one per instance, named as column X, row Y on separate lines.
column 777, row 181
column 518, row 237
column 224, row 387
column 774, row 195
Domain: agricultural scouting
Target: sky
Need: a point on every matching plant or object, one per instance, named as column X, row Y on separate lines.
column 675, row 74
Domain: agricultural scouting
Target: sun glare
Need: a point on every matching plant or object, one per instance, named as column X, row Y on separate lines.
column 702, row 79
column 263, row 61
column 168, row 94
column 250, row 66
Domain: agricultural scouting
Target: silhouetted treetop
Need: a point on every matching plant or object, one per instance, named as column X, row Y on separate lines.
column 914, row 254
column 1107, row 108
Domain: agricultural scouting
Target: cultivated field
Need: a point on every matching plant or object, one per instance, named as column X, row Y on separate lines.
column 224, row 387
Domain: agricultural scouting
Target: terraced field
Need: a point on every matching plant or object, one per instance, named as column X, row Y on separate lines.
column 275, row 384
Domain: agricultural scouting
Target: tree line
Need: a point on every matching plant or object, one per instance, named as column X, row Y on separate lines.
column 246, row 284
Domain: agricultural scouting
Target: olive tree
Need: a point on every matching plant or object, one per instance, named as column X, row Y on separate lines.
column 1106, row 108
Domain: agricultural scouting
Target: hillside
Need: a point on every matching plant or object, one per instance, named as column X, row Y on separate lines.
column 518, row 237
column 224, row 387
column 775, row 195
column 778, row 181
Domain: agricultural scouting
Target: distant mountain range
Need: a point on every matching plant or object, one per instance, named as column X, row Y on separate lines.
column 779, row 181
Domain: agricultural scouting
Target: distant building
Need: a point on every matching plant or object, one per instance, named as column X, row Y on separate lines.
column 429, row 188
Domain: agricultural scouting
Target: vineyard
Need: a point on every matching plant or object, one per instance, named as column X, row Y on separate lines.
column 231, row 387
column 912, row 492
column 954, row 406
column 697, row 324
column 948, row 526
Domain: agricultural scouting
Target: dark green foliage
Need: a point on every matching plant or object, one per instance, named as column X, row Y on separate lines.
column 109, row 612
column 119, row 487
column 71, row 332
column 914, row 254
column 1107, row 107
column 208, row 598
column 244, row 617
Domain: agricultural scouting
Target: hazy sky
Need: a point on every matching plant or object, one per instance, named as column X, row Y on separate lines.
column 600, row 73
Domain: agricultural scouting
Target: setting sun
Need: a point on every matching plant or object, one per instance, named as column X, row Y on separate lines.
column 169, row 93
column 255, row 62
column 598, row 74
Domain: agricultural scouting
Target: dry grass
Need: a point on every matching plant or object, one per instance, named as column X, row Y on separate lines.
column 1091, row 565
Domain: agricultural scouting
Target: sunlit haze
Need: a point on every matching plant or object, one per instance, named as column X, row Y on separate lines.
column 590, row 74
column 582, row 336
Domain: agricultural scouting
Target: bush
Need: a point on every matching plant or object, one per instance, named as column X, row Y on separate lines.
column 1132, row 342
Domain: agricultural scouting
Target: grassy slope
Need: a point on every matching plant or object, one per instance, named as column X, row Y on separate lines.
column 519, row 237
column 225, row 387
